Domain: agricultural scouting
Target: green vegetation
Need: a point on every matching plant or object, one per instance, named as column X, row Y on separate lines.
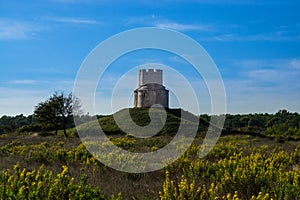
column 56, row 112
column 238, row 167
column 141, row 117
column 10, row 124
column 231, row 173
column 282, row 123
column 42, row 184
column 257, row 157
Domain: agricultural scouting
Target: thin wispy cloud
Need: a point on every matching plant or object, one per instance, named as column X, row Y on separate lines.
column 177, row 59
column 182, row 26
column 21, row 95
column 295, row 63
column 167, row 2
column 268, row 63
column 63, row 84
column 157, row 21
column 142, row 20
column 235, row 2
column 269, row 84
column 272, row 36
column 274, row 76
column 24, row 82
column 66, row 1
column 13, row 29
column 21, row 100
column 280, row 74
column 238, row 32
column 73, row 20
column 243, row 93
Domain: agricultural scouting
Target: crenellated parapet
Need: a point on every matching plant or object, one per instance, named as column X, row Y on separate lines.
column 151, row 90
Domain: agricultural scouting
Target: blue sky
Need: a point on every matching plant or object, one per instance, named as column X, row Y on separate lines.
column 255, row 44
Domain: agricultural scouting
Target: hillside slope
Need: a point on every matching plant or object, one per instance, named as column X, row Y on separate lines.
column 140, row 116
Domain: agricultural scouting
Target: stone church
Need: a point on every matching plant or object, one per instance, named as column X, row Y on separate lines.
column 151, row 90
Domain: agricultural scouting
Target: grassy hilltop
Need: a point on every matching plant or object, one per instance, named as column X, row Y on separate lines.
column 257, row 157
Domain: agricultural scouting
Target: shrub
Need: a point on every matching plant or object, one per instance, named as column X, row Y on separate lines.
column 236, row 176
column 42, row 184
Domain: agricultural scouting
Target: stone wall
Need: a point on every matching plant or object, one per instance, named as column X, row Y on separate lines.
column 151, row 94
column 150, row 76
column 151, row 91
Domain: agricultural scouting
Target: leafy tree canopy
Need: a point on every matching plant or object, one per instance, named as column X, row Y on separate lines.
column 57, row 111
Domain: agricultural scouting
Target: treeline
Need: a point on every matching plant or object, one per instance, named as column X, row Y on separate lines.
column 21, row 123
column 282, row 123
column 9, row 124
column 53, row 114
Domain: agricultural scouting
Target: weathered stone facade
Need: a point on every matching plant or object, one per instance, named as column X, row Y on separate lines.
column 151, row 90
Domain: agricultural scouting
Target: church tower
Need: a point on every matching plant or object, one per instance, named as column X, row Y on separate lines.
column 151, row 90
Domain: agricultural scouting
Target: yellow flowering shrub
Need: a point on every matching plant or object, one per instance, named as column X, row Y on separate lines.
column 42, row 184
column 238, row 175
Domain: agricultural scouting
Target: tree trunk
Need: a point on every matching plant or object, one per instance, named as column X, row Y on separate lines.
column 64, row 126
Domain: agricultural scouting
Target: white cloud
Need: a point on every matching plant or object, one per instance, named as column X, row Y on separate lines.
column 233, row 33
column 283, row 64
column 246, row 97
column 264, row 85
column 144, row 20
column 66, row 1
column 25, row 81
column 78, row 1
column 18, row 105
column 157, row 21
column 12, row 29
column 295, row 63
column 49, row 83
column 20, row 96
column 271, row 36
column 277, row 71
column 16, row 100
column 177, row 59
column 73, row 20
column 182, row 26
column 271, row 75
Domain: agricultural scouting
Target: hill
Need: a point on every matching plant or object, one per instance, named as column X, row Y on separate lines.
column 141, row 117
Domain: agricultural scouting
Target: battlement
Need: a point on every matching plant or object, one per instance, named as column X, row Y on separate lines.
column 148, row 94
column 147, row 76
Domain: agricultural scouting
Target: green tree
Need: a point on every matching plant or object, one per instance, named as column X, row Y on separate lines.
column 10, row 124
column 244, row 121
column 45, row 114
column 57, row 111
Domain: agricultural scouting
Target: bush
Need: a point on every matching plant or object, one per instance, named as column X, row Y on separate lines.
column 42, row 184
column 236, row 176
